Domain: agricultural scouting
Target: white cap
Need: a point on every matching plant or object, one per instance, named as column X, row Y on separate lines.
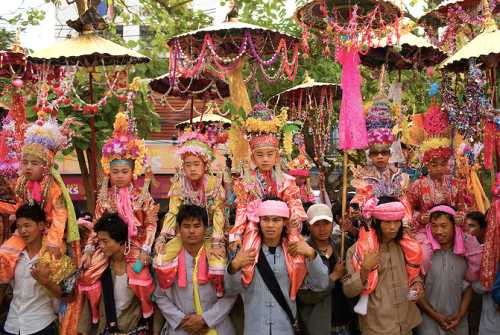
column 319, row 212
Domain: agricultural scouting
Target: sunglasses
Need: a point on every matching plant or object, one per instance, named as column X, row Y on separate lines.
column 374, row 153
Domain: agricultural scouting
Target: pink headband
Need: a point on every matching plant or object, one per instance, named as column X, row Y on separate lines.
column 443, row 208
column 388, row 211
column 299, row 172
column 273, row 208
column 83, row 221
column 257, row 208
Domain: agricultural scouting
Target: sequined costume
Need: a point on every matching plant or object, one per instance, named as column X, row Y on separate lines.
column 136, row 208
column 182, row 192
column 306, row 193
column 253, row 186
column 301, row 166
column 422, row 195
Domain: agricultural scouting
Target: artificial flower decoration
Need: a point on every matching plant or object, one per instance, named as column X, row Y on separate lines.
column 45, row 137
column 125, row 145
column 193, row 143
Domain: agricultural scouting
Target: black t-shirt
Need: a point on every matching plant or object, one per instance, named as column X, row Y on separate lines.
column 341, row 312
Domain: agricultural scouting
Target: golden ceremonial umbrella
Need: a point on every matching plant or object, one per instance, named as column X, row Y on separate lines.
column 88, row 50
column 208, row 118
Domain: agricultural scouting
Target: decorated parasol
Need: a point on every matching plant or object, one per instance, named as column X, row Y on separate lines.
column 404, row 52
column 312, row 102
column 314, row 16
column 205, row 85
column 458, row 18
column 226, row 46
column 22, row 75
column 348, row 26
column 88, row 51
column 207, row 120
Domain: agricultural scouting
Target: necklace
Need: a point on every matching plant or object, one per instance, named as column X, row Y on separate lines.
column 326, row 250
column 196, row 197
column 438, row 192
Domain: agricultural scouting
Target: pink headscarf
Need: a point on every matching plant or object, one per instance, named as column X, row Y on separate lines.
column 388, row 211
column 259, row 208
column 458, row 243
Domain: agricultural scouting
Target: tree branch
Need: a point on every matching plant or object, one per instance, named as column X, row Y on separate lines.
column 411, row 17
column 180, row 4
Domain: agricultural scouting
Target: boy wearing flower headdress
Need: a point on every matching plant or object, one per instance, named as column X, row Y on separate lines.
column 267, row 179
column 123, row 160
column 299, row 168
column 40, row 183
column 195, row 185
column 438, row 188
column 380, row 178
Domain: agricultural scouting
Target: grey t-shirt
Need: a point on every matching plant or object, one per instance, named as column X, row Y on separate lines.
column 443, row 291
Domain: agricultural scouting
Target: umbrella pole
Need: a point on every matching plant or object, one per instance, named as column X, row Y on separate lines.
column 191, row 114
column 92, row 127
column 202, row 112
column 344, row 204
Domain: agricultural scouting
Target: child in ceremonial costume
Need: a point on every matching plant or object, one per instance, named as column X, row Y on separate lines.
column 123, row 160
column 438, row 188
column 299, row 168
column 194, row 185
column 380, row 178
column 266, row 179
column 40, row 183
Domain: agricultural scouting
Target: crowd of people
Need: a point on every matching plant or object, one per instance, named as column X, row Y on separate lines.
column 395, row 258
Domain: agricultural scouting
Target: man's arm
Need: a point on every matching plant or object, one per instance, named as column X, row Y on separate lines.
column 172, row 314
column 219, row 311
column 464, row 306
column 41, row 275
column 310, row 297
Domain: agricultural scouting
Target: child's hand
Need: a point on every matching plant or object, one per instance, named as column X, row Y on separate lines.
column 54, row 252
column 145, row 260
column 217, row 252
column 459, row 220
column 235, row 245
column 159, row 248
column 85, row 260
column 407, row 230
column 295, row 223
column 426, row 218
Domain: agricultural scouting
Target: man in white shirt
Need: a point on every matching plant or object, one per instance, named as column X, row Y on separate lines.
column 31, row 310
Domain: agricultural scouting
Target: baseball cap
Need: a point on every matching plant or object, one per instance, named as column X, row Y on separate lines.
column 319, row 212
